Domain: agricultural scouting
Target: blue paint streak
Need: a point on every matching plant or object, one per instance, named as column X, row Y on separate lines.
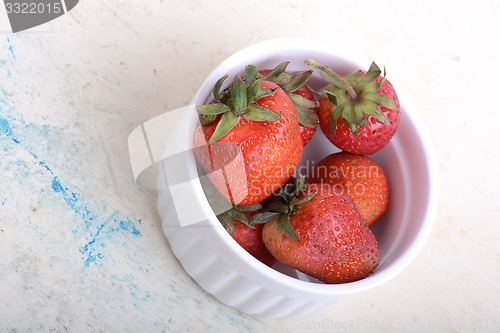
column 45, row 166
column 6, row 130
column 128, row 226
column 115, row 224
column 105, row 229
column 10, row 48
column 73, row 201
column 91, row 249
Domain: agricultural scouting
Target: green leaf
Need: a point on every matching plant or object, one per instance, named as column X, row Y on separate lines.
column 277, row 71
column 283, row 79
column 350, row 118
column 250, row 74
column 206, row 120
column 372, row 73
column 215, row 199
column 285, row 191
column 227, row 222
column 217, row 87
column 336, row 95
column 253, row 89
column 302, row 101
column 295, row 201
column 380, row 99
column 299, row 185
column 331, row 79
column 307, row 118
column 336, row 113
column 262, row 218
column 278, row 207
column 227, row 122
column 332, row 98
column 237, row 215
column 373, row 110
column 212, row 109
column 239, row 95
column 249, row 208
column 371, row 87
column 259, row 113
column 264, row 92
column 359, row 115
column 352, row 76
column 225, row 96
column 285, row 227
column 297, row 81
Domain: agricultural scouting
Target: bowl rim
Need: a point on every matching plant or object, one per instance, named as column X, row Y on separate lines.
column 254, row 267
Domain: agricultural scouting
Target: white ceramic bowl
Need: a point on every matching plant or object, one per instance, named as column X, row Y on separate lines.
column 221, row 267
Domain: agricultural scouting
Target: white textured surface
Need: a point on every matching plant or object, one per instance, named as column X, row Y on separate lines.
column 81, row 244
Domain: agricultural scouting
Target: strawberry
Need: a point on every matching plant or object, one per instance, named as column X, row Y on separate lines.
column 317, row 230
column 248, row 236
column 294, row 84
column 360, row 177
column 359, row 112
column 253, row 125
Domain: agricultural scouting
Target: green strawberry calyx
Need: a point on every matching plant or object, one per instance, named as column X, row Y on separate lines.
column 354, row 96
column 236, row 102
column 238, row 213
column 226, row 212
column 282, row 206
column 291, row 82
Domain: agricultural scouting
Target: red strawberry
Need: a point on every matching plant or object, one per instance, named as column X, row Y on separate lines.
column 254, row 126
column 248, row 236
column 359, row 112
column 321, row 233
column 251, row 240
column 360, row 177
column 294, row 84
column 308, row 127
column 235, row 219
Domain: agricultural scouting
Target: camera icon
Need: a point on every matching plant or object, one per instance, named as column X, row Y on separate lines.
column 162, row 156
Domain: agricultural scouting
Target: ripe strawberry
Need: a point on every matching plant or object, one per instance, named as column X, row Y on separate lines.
column 321, row 233
column 310, row 120
column 294, row 84
column 359, row 112
column 253, row 125
column 248, row 236
column 360, row 177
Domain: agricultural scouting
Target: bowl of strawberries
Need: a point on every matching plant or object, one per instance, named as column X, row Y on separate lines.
column 306, row 179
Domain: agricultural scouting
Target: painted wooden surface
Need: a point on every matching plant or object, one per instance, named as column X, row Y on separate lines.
column 81, row 245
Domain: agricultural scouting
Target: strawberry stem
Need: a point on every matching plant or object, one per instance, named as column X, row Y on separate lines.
column 340, row 80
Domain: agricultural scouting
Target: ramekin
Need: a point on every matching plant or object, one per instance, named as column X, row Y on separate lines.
column 225, row 270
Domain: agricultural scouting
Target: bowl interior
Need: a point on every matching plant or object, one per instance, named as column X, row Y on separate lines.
column 407, row 160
